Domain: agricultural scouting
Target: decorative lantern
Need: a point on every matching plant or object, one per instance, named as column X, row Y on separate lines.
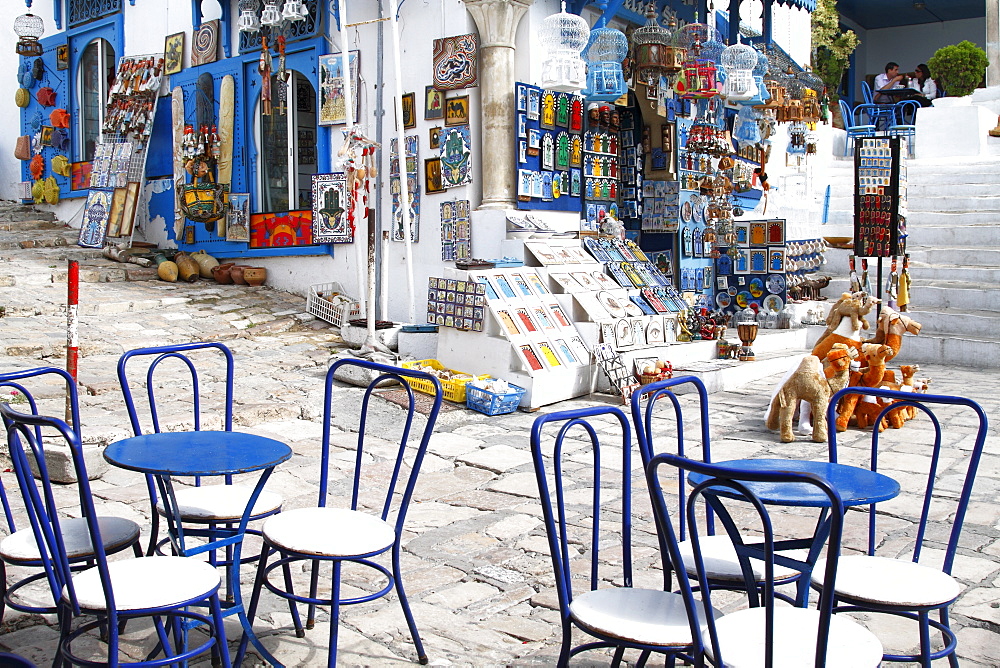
column 676, row 52
column 652, row 49
column 29, row 28
column 759, row 71
column 605, row 53
column 294, row 11
column 564, row 36
column 248, row 21
column 271, row 16
column 698, row 74
column 739, row 61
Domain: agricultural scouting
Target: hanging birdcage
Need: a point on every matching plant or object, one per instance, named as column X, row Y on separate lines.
column 759, row 70
column 797, row 137
column 564, row 36
column 810, row 106
column 698, row 77
column 739, row 61
column 28, row 29
column 651, row 44
column 604, row 54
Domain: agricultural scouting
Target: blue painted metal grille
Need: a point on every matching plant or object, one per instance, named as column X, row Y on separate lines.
column 297, row 30
column 81, row 11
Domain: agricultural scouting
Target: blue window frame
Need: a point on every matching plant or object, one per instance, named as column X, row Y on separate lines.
column 82, row 11
column 94, row 51
column 296, row 31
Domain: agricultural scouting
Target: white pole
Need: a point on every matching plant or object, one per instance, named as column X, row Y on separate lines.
column 404, row 190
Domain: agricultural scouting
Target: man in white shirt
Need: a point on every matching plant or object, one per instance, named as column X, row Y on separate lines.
column 887, row 81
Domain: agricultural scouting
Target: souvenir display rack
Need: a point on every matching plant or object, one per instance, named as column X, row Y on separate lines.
column 695, row 243
column 879, row 198
column 753, row 273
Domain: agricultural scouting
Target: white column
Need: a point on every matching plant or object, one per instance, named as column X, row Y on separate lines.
column 497, row 22
column 993, row 42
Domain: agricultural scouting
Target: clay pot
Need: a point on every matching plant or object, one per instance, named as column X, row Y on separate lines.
column 237, row 274
column 255, row 275
column 187, row 269
column 167, row 271
column 205, row 263
column 221, row 273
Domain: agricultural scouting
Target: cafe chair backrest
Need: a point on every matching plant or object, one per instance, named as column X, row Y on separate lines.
column 179, row 368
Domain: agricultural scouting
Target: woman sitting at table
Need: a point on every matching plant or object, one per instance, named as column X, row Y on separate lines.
column 927, row 87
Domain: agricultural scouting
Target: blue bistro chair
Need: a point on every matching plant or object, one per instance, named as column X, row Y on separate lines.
column 108, row 593
column 882, row 112
column 764, row 633
column 19, row 547
column 207, row 506
column 8, row 660
column 904, row 119
column 336, row 536
column 853, row 128
column 623, row 617
column 902, row 586
column 647, row 413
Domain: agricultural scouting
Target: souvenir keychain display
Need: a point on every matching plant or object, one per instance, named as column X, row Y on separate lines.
column 879, row 198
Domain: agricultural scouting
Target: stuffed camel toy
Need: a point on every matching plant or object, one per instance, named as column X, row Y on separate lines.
column 845, row 322
column 809, row 383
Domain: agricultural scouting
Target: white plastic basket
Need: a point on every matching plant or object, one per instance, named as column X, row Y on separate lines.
column 319, row 305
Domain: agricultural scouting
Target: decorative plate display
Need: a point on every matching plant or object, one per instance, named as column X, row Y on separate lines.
column 686, row 212
column 773, row 303
column 723, row 299
column 743, row 298
column 698, row 209
column 775, row 283
column 611, row 304
column 757, row 288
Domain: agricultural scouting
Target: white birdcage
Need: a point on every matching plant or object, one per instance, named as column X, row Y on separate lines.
column 739, row 61
column 564, row 36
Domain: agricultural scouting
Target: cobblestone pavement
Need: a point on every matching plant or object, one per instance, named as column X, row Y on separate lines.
column 476, row 559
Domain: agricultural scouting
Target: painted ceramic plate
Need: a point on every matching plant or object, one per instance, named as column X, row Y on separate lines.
column 775, row 283
column 633, row 309
column 698, row 210
column 731, row 290
column 773, row 303
column 723, row 299
column 757, row 288
column 743, row 298
column 686, row 212
column 611, row 304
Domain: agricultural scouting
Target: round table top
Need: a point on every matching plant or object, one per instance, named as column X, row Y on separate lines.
column 197, row 453
column 856, row 486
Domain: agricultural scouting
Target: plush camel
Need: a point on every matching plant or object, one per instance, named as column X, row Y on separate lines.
column 910, row 383
column 809, row 383
column 890, row 329
column 871, row 377
column 845, row 322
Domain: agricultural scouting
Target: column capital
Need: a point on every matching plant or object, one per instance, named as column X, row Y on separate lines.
column 497, row 20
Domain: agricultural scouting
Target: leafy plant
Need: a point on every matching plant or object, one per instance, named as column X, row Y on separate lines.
column 832, row 47
column 960, row 67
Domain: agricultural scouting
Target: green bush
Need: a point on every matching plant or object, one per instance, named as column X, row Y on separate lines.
column 960, row 67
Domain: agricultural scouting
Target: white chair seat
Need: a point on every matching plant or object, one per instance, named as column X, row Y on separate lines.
column 721, row 562
column 219, row 503
column 880, row 580
column 147, row 583
column 116, row 532
column 741, row 640
column 329, row 532
column 645, row 616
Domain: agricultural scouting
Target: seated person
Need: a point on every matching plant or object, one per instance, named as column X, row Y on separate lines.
column 926, row 86
column 887, row 81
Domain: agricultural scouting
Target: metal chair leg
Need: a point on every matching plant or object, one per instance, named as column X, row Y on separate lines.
column 331, row 660
column 292, row 605
column 313, row 586
column 405, row 603
column 258, row 584
column 219, row 631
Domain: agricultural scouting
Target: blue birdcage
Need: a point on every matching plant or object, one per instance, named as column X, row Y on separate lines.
column 604, row 53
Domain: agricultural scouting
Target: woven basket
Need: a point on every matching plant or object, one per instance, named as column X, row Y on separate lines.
column 204, row 202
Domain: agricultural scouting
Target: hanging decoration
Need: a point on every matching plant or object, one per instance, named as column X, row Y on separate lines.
column 698, row 77
column 205, row 43
column 563, row 36
column 739, row 61
column 604, row 53
column 329, row 193
column 654, row 54
column 456, row 62
column 28, row 29
column 358, row 155
column 412, row 187
column 456, row 152
column 456, row 230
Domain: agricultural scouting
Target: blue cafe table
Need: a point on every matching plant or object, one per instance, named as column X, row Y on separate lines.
column 856, row 486
column 204, row 453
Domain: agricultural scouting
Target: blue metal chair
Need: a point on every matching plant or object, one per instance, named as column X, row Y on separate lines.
column 622, row 617
column 9, row 660
column 210, row 505
column 19, row 547
column 853, row 128
column 326, row 534
column 902, row 586
column 882, row 113
column 904, row 119
column 109, row 593
column 763, row 634
column 722, row 559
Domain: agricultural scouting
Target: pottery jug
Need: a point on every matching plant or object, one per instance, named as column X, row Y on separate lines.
column 237, row 274
column 187, row 269
column 221, row 273
column 205, row 263
column 167, row 271
column 255, row 275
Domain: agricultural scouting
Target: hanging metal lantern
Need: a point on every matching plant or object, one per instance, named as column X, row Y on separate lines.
column 605, row 53
column 28, row 29
column 271, row 16
column 293, row 11
column 248, row 21
column 739, row 61
column 652, row 48
column 564, row 36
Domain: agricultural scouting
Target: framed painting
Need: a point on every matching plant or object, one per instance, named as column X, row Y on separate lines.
column 432, row 175
column 409, row 118
column 281, row 229
column 435, row 138
column 205, row 43
column 173, row 53
column 433, row 104
column 115, row 216
column 95, row 218
column 456, row 152
column 457, row 111
column 331, row 87
column 62, row 57
column 130, row 207
column 80, row 175
column 329, row 215
column 238, row 218
column 455, row 62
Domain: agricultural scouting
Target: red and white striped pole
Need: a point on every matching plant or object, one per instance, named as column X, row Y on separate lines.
column 72, row 312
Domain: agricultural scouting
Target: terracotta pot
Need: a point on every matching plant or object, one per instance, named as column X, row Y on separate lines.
column 221, row 273
column 187, row 268
column 255, row 275
column 237, row 274
column 167, row 271
column 205, row 263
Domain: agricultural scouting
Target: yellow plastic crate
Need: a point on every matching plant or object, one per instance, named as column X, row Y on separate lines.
column 452, row 390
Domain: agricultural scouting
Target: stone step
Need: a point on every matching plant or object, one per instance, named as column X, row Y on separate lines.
column 940, row 272
column 18, row 213
column 30, row 224
column 936, row 294
column 954, row 321
column 958, row 235
column 944, row 349
column 968, row 257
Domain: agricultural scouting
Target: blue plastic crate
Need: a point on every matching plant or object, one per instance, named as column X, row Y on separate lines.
column 491, row 403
